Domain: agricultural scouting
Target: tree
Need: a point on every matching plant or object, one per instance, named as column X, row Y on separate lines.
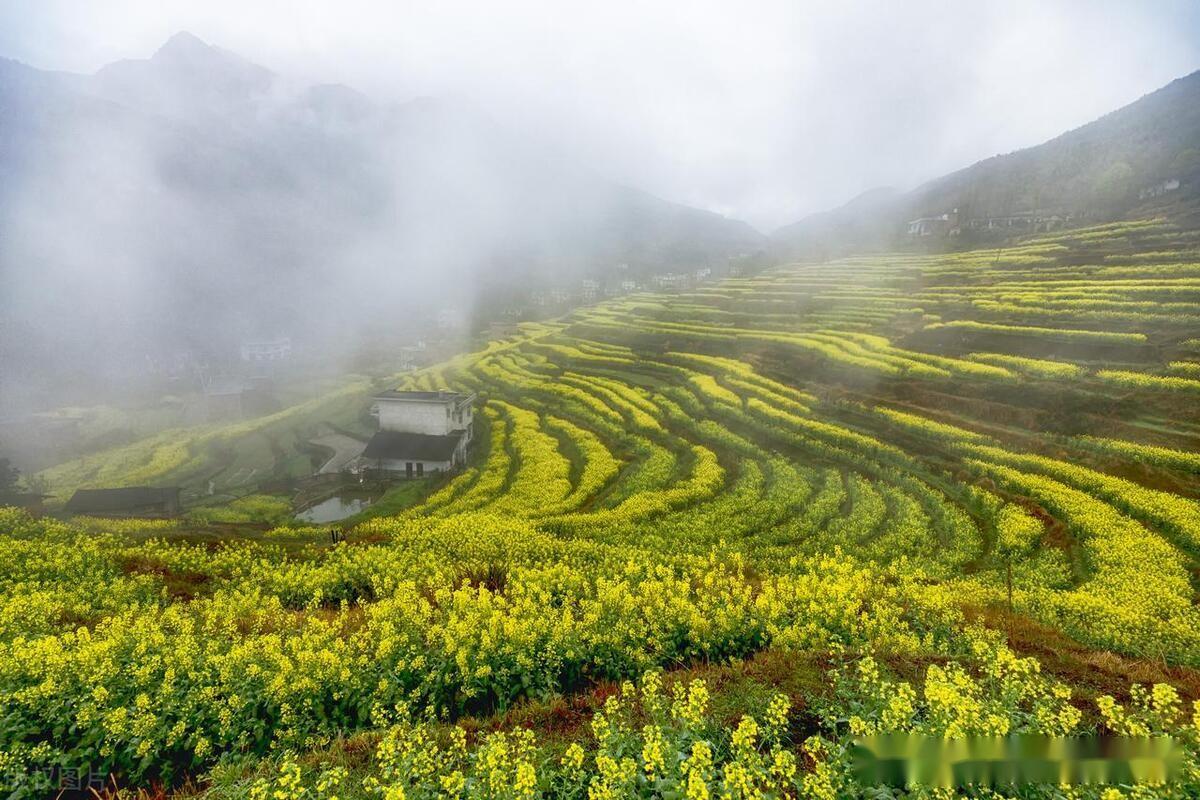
column 1185, row 163
column 1017, row 533
column 1114, row 183
column 9, row 475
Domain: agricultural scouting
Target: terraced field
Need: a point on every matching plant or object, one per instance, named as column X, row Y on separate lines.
column 953, row 494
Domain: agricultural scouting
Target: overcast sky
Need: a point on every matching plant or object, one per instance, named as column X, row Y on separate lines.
column 764, row 111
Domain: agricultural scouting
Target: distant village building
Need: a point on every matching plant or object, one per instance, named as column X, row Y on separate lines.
column 412, row 356
column 420, row 432
column 589, row 289
column 266, row 351
column 1159, row 189
column 672, row 281
column 131, row 501
column 1022, row 221
column 615, row 287
column 703, row 274
column 942, row 225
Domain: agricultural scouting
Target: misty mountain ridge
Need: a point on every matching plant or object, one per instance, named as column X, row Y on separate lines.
column 187, row 78
column 193, row 198
column 1122, row 164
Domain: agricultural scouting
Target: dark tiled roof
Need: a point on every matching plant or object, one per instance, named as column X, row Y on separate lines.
column 423, row 397
column 132, row 497
column 399, row 446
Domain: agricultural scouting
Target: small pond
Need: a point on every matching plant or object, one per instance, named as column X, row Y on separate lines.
column 334, row 508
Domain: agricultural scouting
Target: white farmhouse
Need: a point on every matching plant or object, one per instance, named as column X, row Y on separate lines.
column 420, row 432
column 270, row 350
column 1159, row 189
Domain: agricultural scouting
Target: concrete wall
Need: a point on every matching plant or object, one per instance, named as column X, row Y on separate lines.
column 414, row 417
column 421, row 417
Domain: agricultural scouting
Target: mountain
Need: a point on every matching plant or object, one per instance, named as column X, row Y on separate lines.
column 188, row 79
column 193, row 198
column 868, row 218
column 1105, row 170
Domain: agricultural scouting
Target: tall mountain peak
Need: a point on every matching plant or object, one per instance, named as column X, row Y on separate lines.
column 183, row 43
column 186, row 78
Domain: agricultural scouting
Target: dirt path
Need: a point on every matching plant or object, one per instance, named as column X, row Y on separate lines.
column 345, row 449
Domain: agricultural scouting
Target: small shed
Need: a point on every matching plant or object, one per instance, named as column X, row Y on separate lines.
column 130, row 501
column 279, row 349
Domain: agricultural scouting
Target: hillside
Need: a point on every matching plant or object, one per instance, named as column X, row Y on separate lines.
column 391, row 455
column 704, row 541
column 1094, row 173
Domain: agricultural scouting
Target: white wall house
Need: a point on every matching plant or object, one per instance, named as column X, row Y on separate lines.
column 420, row 432
column 433, row 413
column 273, row 350
column 933, row 226
column 1159, row 189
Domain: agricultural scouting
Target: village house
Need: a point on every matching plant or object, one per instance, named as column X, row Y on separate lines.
column 943, row 225
column 1159, row 189
column 129, row 501
column 1023, row 221
column 269, row 350
column 420, row 432
column 672, row 281
column 412, row 356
